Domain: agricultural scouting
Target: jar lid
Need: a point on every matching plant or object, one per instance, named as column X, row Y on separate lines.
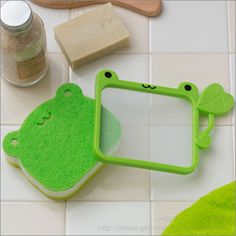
column 16, row 15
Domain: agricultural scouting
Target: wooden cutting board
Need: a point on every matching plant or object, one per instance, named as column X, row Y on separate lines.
column 144, row 7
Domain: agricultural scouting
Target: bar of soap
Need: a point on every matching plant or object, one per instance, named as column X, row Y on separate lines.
column 92, row 35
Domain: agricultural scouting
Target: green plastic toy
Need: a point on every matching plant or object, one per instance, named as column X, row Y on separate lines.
column 214, row 101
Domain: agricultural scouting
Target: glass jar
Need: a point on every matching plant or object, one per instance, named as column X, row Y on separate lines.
column 23, row 44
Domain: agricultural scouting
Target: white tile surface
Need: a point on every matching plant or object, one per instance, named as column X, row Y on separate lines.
column 134, row 142
column 190, row 26
column 129, row 67
column 137, row 26
column 14, row 185
column 51, row 18
column 116, row 183
column 201, row 69
column 117, row 218
column 17, row 102
column 215, row 169
column 171, row 144
column 170, row 110
column 130, row 107
column 133, row 67
column 32, row 218
column 231, row 7
column 164, row 212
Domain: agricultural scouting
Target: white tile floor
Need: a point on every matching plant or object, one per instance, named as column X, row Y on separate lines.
column 113, row 218
column 190, row 41
column 27, row 218
column 17, row 103
column 216, row 168
column 190, row 26
column 164, row 212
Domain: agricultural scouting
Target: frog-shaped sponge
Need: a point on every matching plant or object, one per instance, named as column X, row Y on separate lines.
column 54, row 146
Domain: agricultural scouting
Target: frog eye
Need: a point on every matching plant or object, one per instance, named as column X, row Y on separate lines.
column 12, row 139
column 188, row 87
column 14, row 142
column 108, row 74
column 11, row 144
column 67, row 92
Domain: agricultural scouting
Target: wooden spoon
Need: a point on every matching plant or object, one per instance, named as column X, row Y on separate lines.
column 144, row 7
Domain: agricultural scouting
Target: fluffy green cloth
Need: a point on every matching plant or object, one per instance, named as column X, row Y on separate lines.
column 213, row 214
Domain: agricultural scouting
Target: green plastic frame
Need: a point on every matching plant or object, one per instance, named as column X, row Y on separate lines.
column 213, row 101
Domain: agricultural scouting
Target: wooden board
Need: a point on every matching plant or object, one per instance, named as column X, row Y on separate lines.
column 144, row 7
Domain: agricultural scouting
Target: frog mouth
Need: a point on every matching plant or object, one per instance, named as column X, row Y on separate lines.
column 148, row 86
column 45, row 119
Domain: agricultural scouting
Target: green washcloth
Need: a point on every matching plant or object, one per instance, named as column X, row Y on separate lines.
column 213, row 214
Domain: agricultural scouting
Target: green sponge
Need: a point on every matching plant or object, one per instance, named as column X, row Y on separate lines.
column 213, row 214
column 54, row 146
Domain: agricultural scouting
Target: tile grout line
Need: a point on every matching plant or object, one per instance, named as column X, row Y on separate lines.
column 69, row 68
column 71, row 201
column 65, row 216
column 88, row 202
column 69, row 80
column 133, row 125
column 231, row 84
column 173, row 52
column 233, row 114
column 227, row 25
column 159, row 52
column 32, row 202
column 234, row 156
column 151, row 225
column 150, row 137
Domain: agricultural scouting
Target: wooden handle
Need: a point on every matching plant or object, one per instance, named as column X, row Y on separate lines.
column 144, row 7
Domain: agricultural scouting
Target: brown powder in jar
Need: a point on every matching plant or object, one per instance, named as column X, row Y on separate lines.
column 14, row 42
column 23, row 53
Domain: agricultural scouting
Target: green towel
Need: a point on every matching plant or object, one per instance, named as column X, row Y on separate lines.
column 213, row 214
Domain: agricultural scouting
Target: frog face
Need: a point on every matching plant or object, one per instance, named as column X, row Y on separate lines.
column 108, row 78
column 54, row 146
